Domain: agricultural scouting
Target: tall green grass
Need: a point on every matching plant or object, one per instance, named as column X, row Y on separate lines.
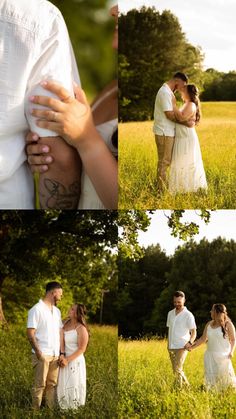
column 16, row 376
column 138, row 163
column 146, row 385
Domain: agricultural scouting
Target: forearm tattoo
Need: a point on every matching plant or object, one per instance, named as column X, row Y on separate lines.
column 58, row 196
column 33, row 343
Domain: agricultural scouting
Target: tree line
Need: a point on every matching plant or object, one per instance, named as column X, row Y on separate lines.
column 152, row 48
column 205, row 271
column 91, row 30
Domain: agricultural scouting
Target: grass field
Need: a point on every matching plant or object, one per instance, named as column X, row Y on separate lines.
column 138, row 162
column 16, row 377
column 146, row 386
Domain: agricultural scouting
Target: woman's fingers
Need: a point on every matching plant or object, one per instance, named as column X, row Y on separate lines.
column 48, row 115
column 58, row 90
column 50, row 102
column 79, row 94
column 38, row 168
column 39, row 160
column 31, row 137
column 52, row 126
column 37, row 149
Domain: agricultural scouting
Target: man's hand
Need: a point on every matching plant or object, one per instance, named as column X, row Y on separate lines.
column 188, row 347
column 39, row 355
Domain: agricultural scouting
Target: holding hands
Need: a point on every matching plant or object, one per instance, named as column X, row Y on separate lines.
column 68, row 116
column 188, row 346
column 62, row 362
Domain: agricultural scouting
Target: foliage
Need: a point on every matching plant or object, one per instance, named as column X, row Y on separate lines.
column 138, row 163
column 77, row 247
column 91, row 31
column 205, row 271
column 145, row 62
column 16, row 376
column 219, row 86
column 146, row 387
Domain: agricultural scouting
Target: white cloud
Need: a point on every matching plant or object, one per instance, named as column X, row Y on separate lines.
column 207, row 23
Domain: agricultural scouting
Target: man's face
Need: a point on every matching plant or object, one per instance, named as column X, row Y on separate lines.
column 57, row 295
column 180, row 85
column 179, row 302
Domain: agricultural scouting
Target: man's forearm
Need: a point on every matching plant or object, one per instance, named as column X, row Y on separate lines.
column 59, row 187
column 34, row 344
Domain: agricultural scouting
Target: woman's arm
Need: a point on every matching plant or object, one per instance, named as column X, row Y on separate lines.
column 201, row 340
column 231, row 334
column 82, row 344
column 72, row 119
column 185, row 114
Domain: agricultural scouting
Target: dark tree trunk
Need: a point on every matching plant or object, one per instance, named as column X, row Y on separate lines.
column 3, row 321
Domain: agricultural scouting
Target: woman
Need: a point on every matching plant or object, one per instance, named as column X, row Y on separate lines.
column 219, row 333
column 94, row 137
column 186, row 170
column 71, row 388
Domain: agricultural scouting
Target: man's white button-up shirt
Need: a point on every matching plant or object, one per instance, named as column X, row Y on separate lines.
column 47, row 324
column 34, row 46
column 179, row 328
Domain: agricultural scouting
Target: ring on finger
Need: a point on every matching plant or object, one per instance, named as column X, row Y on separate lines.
column 54, row 116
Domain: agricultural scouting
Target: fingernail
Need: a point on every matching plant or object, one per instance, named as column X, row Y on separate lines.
column 35, row 137
column 48, row 159
column 45, row 149
column 31, row 98
column 45, row 168
column 44, row 83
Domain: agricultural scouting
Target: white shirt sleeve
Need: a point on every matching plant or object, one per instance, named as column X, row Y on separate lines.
column 191, row 322
column 54, row 61
column 166, row 102
column 168, row 320
column 33, row 318
column 60, row 321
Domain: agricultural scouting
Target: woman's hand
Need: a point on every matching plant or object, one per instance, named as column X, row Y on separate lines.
column 230, row 356
column 69, row 117
column 38, row 154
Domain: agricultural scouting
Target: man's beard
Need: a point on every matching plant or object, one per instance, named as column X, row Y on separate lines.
column 55, row 301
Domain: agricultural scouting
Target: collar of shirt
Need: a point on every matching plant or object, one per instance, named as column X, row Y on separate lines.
column 182, row 311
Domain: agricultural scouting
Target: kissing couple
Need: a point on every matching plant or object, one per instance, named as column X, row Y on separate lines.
column 176, row 137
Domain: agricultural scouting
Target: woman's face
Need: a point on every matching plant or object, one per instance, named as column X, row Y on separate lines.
column 114, row 14
column 184, row 93
column 73, row 312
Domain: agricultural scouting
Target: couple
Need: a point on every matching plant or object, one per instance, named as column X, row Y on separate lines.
column 57, row 352
column 219, row 334
column 72, row 146
column 176, row 138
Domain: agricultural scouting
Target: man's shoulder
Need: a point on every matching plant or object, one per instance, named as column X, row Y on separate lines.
column 31, row 14
column 171, row 312
column 189, row 313
column 36, row 307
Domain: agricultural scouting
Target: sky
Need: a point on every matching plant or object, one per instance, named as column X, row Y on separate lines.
column 206, row 23
column 222, row 223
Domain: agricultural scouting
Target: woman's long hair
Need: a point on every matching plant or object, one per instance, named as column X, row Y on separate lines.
column 81, row 313
column 194, row 97
column 221, row 309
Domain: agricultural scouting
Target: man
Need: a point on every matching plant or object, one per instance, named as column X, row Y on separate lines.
column 182, row 330
column 43, row 331
column 34, row 46
column 164, row 124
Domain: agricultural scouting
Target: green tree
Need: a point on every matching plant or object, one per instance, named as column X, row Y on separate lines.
column 91, row 31
column 152, row 47
column 75, row 246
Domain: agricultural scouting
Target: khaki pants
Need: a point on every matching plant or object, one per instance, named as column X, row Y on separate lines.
column 45, row 380
column 177, row 357
column 164, row 149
